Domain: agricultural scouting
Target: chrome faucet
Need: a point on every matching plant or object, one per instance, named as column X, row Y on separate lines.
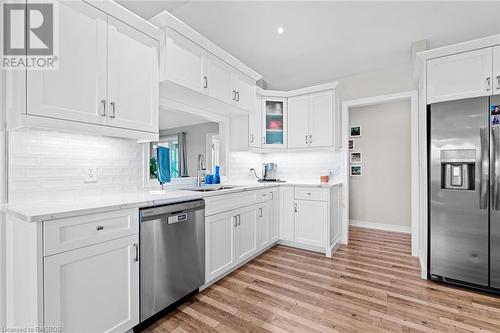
column 201, row 172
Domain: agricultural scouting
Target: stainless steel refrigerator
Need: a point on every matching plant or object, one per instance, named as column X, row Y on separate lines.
column 464, row 190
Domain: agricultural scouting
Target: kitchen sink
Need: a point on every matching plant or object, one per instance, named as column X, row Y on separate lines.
column 210, row 188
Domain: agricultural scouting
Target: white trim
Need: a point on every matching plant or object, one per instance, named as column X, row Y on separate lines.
column 416, row 154
column 381, row 226
column 296, row 92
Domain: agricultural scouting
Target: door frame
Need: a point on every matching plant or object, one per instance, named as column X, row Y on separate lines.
column 415, row 135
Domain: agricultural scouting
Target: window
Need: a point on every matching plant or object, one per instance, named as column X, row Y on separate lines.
column 172, row 143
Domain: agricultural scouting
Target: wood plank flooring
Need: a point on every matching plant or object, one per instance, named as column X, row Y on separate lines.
column 371, row 285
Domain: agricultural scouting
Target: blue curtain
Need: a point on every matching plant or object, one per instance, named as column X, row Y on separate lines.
column 163, row 164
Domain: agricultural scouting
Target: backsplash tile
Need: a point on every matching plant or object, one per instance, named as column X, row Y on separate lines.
column 47, row 165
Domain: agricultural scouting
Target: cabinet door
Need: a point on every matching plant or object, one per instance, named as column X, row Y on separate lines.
column 77, row 89
column 245, row 92
column 298, row 121
column 458, row 76
column 274, row 216
column 246, row 233
column 274, row 122
column 254, row 124
column 94, row 288
column 496, row 70
column 184, row 61
column 321, row 119
column 286, row 213
column 263, row 224
column 218, row 79
column 219, row 244
column 133, row 81
column 310, row 222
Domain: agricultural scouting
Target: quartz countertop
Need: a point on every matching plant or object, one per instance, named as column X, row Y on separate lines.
column 37, row 211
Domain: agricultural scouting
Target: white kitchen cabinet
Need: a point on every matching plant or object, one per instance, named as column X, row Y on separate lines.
column 76, row 91
column 264, row 219
column 274, row 231
column 274, row 122
column 255, row 124
column 94, row 288
column 496, row 70
column 184, row 61
column 243, row 91
column 217, row 80
column 108, row 75
column 286, row 213
column 219, row 244
column 311, row 120
column 132, row 78
column 311, row 218
column 298, row 121
column 246, row 233
column 321, row 119
column 462, row 75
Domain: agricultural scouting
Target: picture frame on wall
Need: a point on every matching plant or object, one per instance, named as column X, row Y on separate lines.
column 355, row 131
column 351, row 144
column 356, row 171
column 355, row 157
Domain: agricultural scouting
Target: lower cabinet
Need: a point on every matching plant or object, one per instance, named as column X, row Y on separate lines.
column 286, row 214
column 93, row 288
column 246, row 233
column 311, row 219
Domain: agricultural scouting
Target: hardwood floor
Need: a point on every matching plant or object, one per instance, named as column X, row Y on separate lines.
column 371, row 285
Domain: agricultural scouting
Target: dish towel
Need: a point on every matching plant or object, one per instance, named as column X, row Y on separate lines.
column 163, row 164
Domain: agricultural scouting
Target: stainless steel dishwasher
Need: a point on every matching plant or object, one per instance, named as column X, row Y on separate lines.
column 172, row 253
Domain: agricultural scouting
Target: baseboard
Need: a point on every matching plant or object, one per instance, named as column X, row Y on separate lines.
column 302, row 246
column 380, row 226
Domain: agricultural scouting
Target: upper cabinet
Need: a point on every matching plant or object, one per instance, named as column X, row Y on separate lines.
column 198, row 74
column 462, row 75
column 255, row 124
column 310, row 120
column 108, row 75
column 496, row 70
column 274, row 122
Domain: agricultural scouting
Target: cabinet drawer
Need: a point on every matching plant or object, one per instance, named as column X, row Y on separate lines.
column 75, row 232
column 267, row 195
column 311, row 193
column 225, row 202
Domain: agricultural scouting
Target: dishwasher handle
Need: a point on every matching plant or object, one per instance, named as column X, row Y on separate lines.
column 174, row 212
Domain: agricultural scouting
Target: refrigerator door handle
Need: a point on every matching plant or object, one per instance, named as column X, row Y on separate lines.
column 483, row 185
column 496, row 154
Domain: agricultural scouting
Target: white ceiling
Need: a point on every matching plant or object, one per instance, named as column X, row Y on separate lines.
column 326, row 41
column 173, row 119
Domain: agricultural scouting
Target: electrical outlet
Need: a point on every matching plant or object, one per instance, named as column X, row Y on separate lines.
column 90, row 175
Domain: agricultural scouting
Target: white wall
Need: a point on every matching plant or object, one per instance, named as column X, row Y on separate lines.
column 382, row 195
column 196, row 138
column 48, row 165
column 384, row 82
column 300, row 167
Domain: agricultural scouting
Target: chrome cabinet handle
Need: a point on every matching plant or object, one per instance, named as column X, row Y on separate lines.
column 483, row 171
column 234, row 95
column 488, row 83
column 103, row 113
column 260, row 212
column 99, row 227
column 235, row 218
column 251, row 138
column 295, row 208
column 239, row 219
column 310, row 138
column 136, row 247
column 238, row 93
column 113, row 109
column 205, row 80
column 498, row 82
column 306, row 140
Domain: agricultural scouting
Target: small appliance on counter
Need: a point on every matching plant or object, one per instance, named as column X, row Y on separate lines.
column 269, row 173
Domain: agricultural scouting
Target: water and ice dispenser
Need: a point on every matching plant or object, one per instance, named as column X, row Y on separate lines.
column 458, row 169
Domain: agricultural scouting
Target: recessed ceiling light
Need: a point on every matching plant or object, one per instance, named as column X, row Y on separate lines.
column 280, row 30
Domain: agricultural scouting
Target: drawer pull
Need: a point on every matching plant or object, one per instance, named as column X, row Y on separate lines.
column 308, row 193
column 99, row 227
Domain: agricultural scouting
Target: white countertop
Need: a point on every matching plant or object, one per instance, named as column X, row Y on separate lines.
column 38, row 211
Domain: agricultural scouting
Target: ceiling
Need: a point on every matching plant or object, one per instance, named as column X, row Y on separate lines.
column 327, row 40
column 173, row 119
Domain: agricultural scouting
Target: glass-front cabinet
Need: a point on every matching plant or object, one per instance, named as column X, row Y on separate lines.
column 274, row 124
